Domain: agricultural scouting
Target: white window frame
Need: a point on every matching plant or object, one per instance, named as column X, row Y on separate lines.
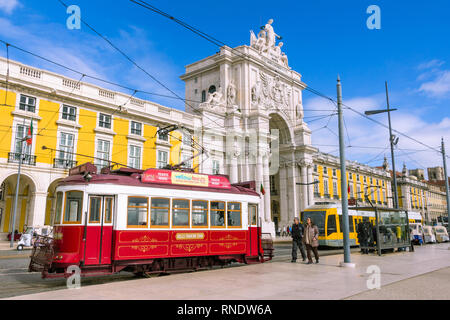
column 213, row 166
column 141, row 129
column 158, row 152
column 19, row 96
column 97, row 160
column 139, row 157
column 100, row 114
column 187, row 156
column 70, row 107
column 59, row 138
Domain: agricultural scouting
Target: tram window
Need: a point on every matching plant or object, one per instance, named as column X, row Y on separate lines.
column 199, row 213
column 108, row 209
column 234, row 214
column 252, row 214
column 160, row 212
column 180, row 213
column 318, row 218
column 137, row 212
column 59, row 199
column 217, row 214
column 351, row 227
column 331, row 224
column 72, row 211
column 94, row 209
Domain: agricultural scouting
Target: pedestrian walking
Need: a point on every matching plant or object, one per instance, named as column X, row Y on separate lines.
column 297, row 236
column 311, row 240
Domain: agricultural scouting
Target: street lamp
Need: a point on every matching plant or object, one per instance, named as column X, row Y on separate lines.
column 393, row 140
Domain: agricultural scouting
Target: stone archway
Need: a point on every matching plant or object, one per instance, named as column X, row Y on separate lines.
column 50, row 203
column 282, row 181
column 25, row 203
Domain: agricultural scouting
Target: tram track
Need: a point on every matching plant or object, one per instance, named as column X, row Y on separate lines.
column 16, row 280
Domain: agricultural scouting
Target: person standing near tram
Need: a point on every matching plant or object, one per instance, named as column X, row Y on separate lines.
column 311, row 240
column 297, row 237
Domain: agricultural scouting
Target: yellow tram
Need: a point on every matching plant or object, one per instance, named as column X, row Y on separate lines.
column 328, row 218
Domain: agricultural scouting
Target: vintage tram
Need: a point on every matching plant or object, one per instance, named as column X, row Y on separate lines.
column 150, row 222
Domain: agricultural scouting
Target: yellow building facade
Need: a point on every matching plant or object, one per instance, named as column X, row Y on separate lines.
column 362, row 181
column 73, row 123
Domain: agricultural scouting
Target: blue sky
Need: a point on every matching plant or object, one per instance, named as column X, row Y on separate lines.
column 321, row 38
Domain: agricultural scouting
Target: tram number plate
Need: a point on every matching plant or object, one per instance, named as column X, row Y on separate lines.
column 190, row 236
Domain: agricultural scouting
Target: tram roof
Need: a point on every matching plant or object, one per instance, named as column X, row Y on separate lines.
column 139, row 178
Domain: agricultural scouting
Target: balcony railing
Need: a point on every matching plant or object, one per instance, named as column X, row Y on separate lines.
column 64, row 163
column 326, row 195
column 317, row 194
column 26, row 158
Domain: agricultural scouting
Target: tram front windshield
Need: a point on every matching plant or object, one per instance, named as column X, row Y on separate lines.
column 317, row 217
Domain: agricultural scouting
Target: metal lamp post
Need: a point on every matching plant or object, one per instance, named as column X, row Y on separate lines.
column 393, row 141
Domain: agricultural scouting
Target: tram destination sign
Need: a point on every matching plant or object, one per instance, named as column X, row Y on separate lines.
column 184, row 178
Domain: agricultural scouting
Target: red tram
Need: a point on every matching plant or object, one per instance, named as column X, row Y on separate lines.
column 150, row 222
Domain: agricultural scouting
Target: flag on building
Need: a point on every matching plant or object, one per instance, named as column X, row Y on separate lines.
column 262, row 189
column 30, row 134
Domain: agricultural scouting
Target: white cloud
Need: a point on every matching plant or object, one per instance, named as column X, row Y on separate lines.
column 369, row 141
column 91, row 55
column 8, row 6
column 439, row 87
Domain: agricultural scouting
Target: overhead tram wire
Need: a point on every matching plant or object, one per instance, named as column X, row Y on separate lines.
column 117, row 84
column 306, row 88
column 208, row 37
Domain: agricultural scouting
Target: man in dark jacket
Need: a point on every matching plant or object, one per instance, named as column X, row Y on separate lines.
column 297, row 235
column 363, row 236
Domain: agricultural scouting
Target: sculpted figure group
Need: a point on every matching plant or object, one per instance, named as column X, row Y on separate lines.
column 265, row 43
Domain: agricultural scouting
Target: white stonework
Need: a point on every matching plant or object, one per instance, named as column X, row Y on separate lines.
column 263, row 97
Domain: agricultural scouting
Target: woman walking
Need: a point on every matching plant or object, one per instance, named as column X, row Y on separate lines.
column 311, row 240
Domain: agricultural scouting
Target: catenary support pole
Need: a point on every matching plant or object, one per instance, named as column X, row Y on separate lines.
column 344, row 195
column 446, row 179
column 391, row 139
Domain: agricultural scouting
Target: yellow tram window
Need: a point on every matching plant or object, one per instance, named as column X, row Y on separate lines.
column 94, row 209
column 331, row 224
column 217, row 214
column 137, row 212
column 180, row 213
column 252, row 214
column 108, row 209
column 234, row 216
column 73, row 206
column 160, row 212
column 199, row 213
column 59, row 200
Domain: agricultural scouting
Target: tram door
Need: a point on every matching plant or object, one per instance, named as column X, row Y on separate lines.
column 99, row 230
column 253, row 226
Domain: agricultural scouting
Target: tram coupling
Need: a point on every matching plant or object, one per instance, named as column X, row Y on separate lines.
column 267, row 246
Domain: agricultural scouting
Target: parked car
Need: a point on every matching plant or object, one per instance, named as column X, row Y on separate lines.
column 441, row 234
column 428, row 234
